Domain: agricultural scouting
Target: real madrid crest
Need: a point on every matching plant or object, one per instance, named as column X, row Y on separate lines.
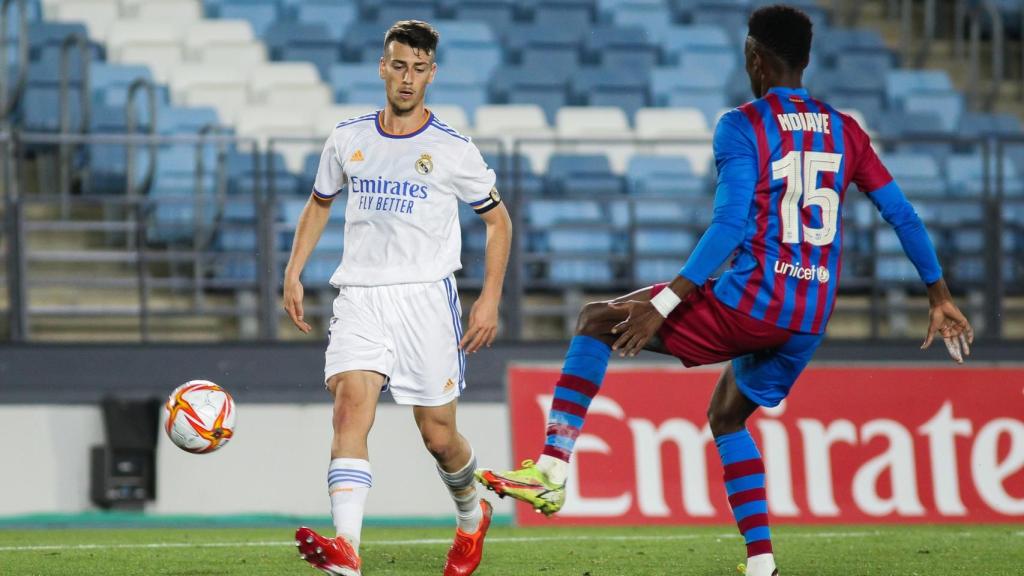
column 424, row 165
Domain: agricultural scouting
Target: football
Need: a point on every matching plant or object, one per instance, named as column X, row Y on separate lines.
column 200, row 417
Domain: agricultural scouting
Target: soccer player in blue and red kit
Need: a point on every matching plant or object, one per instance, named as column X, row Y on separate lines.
column 784, row 163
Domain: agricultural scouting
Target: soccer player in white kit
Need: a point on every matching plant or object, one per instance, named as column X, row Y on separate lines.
column 396, row 323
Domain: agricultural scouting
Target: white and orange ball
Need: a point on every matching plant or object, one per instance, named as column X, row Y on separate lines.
column 200, row 417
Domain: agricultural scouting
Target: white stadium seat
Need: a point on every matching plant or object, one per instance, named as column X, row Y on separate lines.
column 167, row 12
column 222, row 87
column 152, row 44
column 97, row 15
column 596, row 122
column 288, row 84
column 228, row 42
column 452, row 116
column 676, row 123
column 508, row 122
column 327, row 118
column 265, row 122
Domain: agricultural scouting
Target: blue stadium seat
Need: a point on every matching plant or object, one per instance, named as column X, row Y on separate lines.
column 622, row 47
column 575, row 241
column 558, row 61
column 582, row 174
column 364, row 42
column 499, row 14
column 947, row 106
column 572, row 14
column 980, row 124
column 574, row 271
column 357, row 83
column 688, row 78
column 664, row 242
column 546, row 213
column 336, row 15
column 663, row 175
column 311, row 42
column 242, row 175
column 917, row 174
column 710, row 103
column 179, row 119
column 260, row 13
column 648, row 271
column 966, row 176
column 470, row 45
column 849, row 41
column 700, row 41
column 902, row 83
column 50, row 35
column 652, row 16
column 623, row 87
column 468, row 96
column 542, row 33
column 394, row 10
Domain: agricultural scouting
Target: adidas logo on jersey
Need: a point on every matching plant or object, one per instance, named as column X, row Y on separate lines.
column 357, row 157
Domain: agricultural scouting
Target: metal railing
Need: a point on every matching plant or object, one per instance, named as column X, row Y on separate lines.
column 181, row 266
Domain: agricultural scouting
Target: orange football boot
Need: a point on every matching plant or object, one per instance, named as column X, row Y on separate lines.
column 468, row 549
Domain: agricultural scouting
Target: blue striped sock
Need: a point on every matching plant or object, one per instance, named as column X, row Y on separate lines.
column 744, row 483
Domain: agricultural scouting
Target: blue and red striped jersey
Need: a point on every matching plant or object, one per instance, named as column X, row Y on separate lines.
column 805, row 154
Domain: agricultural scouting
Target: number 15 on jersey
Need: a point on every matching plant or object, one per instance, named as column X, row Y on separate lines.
column 801, row 169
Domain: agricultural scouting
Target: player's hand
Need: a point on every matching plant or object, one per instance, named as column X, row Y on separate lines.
column 947, row 321
column 640, row 325
column 293, row 293
column 483, row 325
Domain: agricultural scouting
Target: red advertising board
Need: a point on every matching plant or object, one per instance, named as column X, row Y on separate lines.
column 850, row 445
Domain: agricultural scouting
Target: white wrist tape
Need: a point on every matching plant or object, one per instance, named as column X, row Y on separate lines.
column 665, row 302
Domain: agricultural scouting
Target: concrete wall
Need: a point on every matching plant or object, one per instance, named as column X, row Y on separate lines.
column 277, row 463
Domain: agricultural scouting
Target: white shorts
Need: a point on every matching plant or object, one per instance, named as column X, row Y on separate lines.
column 408, row 332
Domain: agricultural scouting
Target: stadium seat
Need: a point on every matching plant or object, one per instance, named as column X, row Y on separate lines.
column 664, row 241
column 455, row 117
column 687, row 126
column 394, row 10
column 48, row 36
column 148, row 43
column 621, row 48
column 902, row 83
column 947, row 107
column 327, row 118
column 288, row 84
column 357, row 83
column 651, row 16
column 499, row 14
column 171, row 13
column 334, row 14
column 223, row 87
column 571, row 14
column 467, row 96
column 96, row 15
column 261, row 14
column 576, row 125
column 575, row 271
column 916, row 174
column 663, row 175
column 509, row 122
column 224, row 42
column 582, row 175
column 282, row 121
column 701, row 42
column 966, row 176
column 301, row 41
column 364, row 41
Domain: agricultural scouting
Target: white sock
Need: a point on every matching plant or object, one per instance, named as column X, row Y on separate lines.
column 556, row 469
column 349, row 481
column 761, row 565
column 463, row 490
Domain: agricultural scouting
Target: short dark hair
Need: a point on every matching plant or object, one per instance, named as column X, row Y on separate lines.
column 414, row 34
column 785, row 31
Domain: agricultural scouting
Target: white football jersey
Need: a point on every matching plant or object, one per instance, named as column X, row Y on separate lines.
column 402, row 218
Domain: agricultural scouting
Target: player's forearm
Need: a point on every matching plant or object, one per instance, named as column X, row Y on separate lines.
column 917, row 245
column 311, row 225
column 499, row 243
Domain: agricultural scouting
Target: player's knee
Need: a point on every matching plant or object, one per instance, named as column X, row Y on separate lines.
column 440, row 441
column 589, row 321
column 721, row 422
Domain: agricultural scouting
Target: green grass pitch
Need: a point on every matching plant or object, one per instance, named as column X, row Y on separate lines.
column 810, row 551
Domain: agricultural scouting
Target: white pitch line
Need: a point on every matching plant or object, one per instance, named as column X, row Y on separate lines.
column 431, row 541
